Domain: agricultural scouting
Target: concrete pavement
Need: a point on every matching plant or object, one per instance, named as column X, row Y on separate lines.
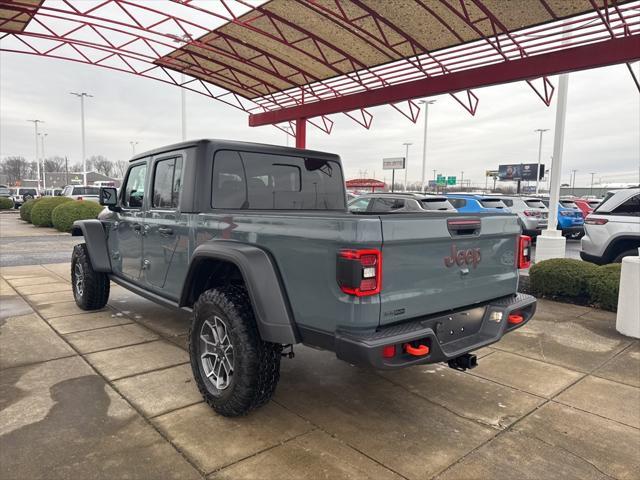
column 109, row 394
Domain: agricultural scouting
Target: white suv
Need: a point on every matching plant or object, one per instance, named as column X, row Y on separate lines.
column 612, row 231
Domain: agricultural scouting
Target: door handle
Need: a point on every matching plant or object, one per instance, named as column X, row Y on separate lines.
column 165, row 231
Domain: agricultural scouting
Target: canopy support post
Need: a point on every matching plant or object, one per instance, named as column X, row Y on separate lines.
column 301, row 133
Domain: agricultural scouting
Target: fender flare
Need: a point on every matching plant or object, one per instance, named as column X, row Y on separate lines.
column 612, row 249
column 94, row 236
column 266, row 292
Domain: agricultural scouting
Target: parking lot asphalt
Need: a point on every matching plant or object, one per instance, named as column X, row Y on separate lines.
column 24, row 244
column 109, row 394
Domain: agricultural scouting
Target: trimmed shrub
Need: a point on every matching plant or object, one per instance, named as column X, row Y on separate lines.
column 41, row 211
column 6, row 203
column 64, row 215
column 561, row 277
column 25, row 209
column 603, row 286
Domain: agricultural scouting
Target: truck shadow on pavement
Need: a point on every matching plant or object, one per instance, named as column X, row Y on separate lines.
column 76, row 432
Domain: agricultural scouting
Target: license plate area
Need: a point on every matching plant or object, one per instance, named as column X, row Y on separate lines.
column 452, row 327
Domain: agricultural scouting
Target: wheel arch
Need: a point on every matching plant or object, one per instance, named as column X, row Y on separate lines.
column 94, row 236
column 620, row 244
column 221, row 261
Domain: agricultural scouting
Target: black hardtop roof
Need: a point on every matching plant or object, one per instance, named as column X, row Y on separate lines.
column 220, row 144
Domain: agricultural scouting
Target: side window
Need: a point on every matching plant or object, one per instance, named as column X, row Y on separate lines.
column 387, row 204
column 134, row 188
column 167, row 181
column 508, row 202
column 629, row 208
column 359, row 205
column 229, row 181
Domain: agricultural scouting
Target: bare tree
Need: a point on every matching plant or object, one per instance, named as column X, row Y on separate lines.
column 120, row 168
column 15, row 168
column 54, row 164
column 101, row 165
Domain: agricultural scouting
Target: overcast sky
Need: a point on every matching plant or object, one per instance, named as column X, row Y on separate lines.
column 602, row 129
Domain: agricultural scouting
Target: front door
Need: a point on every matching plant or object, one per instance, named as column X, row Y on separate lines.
column 125, row 238
column 166, row 241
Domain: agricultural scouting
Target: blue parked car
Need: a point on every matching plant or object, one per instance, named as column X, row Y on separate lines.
column 570, row 219
column 469, row 203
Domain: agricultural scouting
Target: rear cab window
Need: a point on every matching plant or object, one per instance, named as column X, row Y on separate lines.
column 263, row 181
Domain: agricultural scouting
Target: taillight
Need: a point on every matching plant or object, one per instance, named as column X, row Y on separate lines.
column 524, row 252
column 79, row 198
column 359, row 272
column 595, row 221
column 531, row 213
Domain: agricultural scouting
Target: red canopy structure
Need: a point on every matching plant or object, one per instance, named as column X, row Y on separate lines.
column 292, row 62
column 371, row 183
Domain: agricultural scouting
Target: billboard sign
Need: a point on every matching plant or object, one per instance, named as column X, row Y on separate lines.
column 521, row 171
column 396, row 163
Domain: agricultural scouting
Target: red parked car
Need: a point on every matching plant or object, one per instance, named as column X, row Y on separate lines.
column 585, row 206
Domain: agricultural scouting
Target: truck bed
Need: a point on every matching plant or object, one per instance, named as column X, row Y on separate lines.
column 415, row 279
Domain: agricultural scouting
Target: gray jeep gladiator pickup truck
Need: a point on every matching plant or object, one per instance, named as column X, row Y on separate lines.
column 256, row 240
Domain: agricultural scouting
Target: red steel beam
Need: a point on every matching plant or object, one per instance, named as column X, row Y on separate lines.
column 610, row 52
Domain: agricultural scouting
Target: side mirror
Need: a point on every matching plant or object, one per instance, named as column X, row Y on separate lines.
column 109, row 197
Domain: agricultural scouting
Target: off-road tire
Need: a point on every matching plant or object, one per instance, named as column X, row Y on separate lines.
column 256, row 363
column 95, row 289
column 627, row 253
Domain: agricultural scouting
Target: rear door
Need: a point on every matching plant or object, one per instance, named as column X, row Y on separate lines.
column 166, row 239
column 431, row 265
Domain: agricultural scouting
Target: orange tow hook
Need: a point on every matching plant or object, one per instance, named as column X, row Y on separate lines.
column 419, row 351
column 515, row 319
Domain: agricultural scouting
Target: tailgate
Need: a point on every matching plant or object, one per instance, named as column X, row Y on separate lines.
column 429, row 266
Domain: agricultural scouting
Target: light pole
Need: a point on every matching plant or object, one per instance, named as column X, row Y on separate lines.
column 591, row 187
column 426, row 104
column 462, row 179
column 36, row 122
column 406, row 163
column 133, row 148
column 44, row 168
column 84, row 153
column 573, row 182
column 541, row 131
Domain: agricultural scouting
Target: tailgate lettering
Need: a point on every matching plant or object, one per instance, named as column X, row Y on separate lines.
column 470, row 256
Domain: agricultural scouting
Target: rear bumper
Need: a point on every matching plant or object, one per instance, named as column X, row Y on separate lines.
column 367, row 349
column 573, row 229
column 592, row 258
